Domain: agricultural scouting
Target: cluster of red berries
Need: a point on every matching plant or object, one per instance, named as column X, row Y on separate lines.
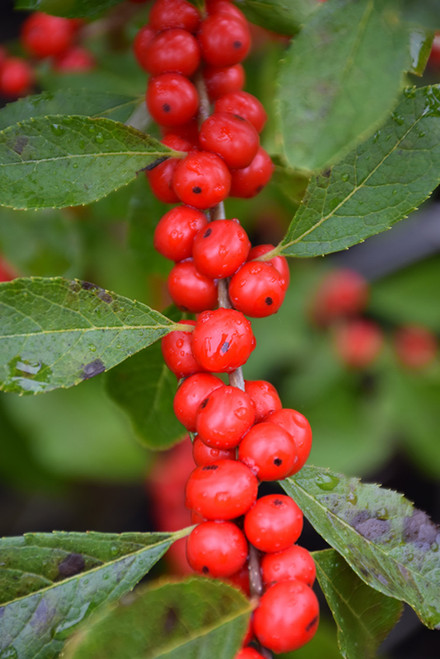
column 340, row 301
column 241, row 434
column 43, row 36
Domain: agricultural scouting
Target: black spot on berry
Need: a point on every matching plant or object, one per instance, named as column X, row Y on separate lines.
column 205, row 569
column 170, row 621
column 225, row 347
column 278, row 502
column 278, row 462
column 204, row 403
column 94, row 368
column 72, row 564
column 312, row 624
column 166, row 107
column 237, row 44
column 197, row 189
column 268, row 301
column 207, row 233
column 209, row 467
column 259, row 188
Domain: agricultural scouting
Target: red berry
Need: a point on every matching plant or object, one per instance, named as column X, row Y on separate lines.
column 172, row 51
column 171, row 99
column 343, row 292
column 244, row 105
column 141, row 42
column 201, row 180
column 250, row 180
column 434, row 55
column 287, row 616
column 190, row 290
column 190, row 394
column 248, row 653
column 6, row 272
column 224, row 7
column 166, row 14
column 177, row 352
column 268, row 451
column 241, row 580
column 176, row 230
column 206, row 455
column 160, row 177
column 358, row 342
column 274, row 523
column 43, row 35
column 264, row 396
column 299, row 428
column 292, row 563
column 231, row 137
column 257, row 289
column 188, row 132
column 223, row 80
column 16, row 77
column 222, row 340
column 416, row 347
column 220, row 248
column 217, row 549
column 75, row 60
column 224, row 39
column 3, row 55
column 223, row 490
column 278, row 262
column 224, row 417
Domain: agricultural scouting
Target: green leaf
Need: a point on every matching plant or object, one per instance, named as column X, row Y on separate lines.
column 282, row 16
column 424, row 13
column 392, row 547
column 68, row 8
column 56, row 333
column 376, row 185
column 79, row 102
column 64, row 160
column 196, row 619
column 144, row 388
column 43, row 243
column 347, row 52
column 50, row 582
column 364, row 616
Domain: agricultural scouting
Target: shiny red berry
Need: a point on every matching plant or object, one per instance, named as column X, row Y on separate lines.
column 141, row 42
column 223, row 80
column 166, row 14
column 216, row 549
column 201, row 180
column 176, row 230
column 223, row 490
column 224, row 7
column 224, row 417
column 224, row 39
column 274, row 523
column 278, row 262
column 16, row 77
column 250, row 180
column 358, row 342
column 292, row 563
column 190, row 394
column 416, row 347
column 75, row 60
column 244, row 105
column 268, row 451
column 299, row 428
column 172, row 51
column 160, row 176
column 342, row 292
column 287, row 616
column 43, row 35
column 257, row 289
column 171, row 99
column 177, row 352
column 190, row 290
column 248, row 653
column 222, row 340
column 231, row 137
column 206, row 455
column 264, row 396
column 220, row 248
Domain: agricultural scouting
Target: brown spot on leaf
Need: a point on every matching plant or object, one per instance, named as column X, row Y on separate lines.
column 93, row 368
column 88, row 286
column 72, row 564
column 419, row 530
column 327, row 173
column 370, row 527
column 171, row 619
column 19, row 144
